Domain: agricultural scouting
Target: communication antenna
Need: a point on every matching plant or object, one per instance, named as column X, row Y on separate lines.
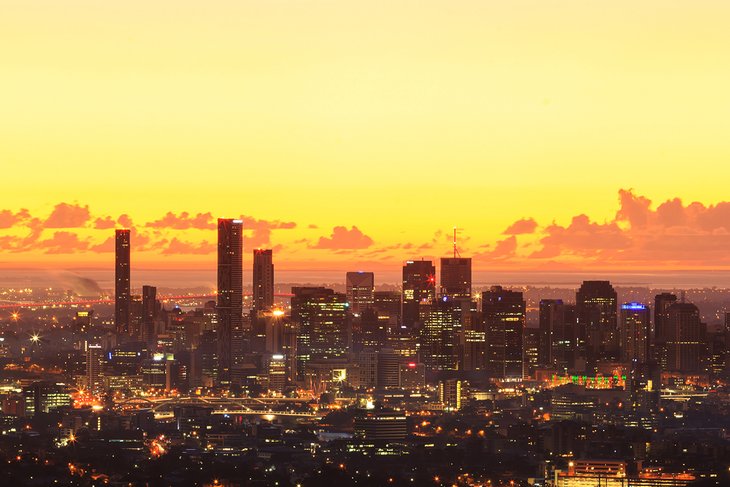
column 456, row 251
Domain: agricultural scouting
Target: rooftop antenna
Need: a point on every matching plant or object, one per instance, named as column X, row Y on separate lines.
column 456, row 251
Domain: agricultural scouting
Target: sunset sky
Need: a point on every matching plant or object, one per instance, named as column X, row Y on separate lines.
column 555, row 135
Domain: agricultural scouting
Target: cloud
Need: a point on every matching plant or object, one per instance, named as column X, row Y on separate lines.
column 521, row 227
column 674, row 234
column 184, row 221
column 104, row 223
column 342, row 238
column 63, row 242
column 257, row 233
column 65, row 215
column 125, row 221
column 8, row 219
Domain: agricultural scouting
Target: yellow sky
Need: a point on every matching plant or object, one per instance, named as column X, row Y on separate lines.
column 400, row 118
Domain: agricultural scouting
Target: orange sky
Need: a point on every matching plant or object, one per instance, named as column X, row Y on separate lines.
column 358, row 134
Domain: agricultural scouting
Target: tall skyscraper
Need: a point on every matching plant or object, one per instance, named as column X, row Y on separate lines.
column 263, row 280
column 456, row 277
column 662, row 302
column 94, row 367
column 360, row 288
column 321, row 315
column 634, row 332
column 551, row 325
column 439, row 333
column 150, row 308
column 685, row 339
column 596, row 305
column 230, row 294
column 503, row 313
column 122, row 294
column 419, row 286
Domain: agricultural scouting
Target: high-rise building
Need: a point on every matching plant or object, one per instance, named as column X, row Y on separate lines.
column 44, row 397
column 360, row 288
column 122, row 293
column 552, row 333
column 263, row 280
column 230, row 295
column 685, row 339
column 323, row 329
column 388, row 306
column 634, row 332
column 456, row 277
column 419, row 286
column 503, row 313
column 450, row 394
column 150, row 308
column 596, row 305
column 662, row 302
column 439, row 333
column 94, row 365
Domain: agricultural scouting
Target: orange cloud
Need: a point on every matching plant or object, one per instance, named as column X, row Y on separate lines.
column 65, row 215
column 177, row 246
column 8, row 219
column 257, row 233
column 184, row 221
column 521, row 227
column 342, row 238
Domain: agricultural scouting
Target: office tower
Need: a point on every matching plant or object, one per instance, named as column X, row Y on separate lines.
column 44, row 397
column 122, row 294
column 552, row 331
column 263, row 280
column 372, row 333
column 439, row 333
column 596, row 304
column 473, row 340
column 412, row 376
column 456, row 277
column 379, row 425
column 388, row 369
column 530, row 350
column 388, row 306
column 684, row 339
column 94, row 366
column 503, row 314
column 634, row 332
column 150, row 308
column 419, row 286
column 230, row 295
column 360, row 288
column 323, row 333
column 644, row 393
column 662, row 302
column 450, row 394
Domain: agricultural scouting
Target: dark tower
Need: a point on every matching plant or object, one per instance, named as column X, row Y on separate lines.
column 122, row 293
column 456, row 277
column 662, row 302
column 596, row 304
column 503, row 313
column 263, row 280
column 419, row 285
column 230, row 293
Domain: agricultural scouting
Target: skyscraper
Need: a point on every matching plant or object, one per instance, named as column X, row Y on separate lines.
column 419, row 286
column 122, row 294
column 596, row 303
column 685, row 339
column 230, row 294
column 439, row 333
column 149, row 314
column 503, row 313
column 634, row 332
column 456, row 277
column 263, row 280
column 360, row 288
column 662, row 302
column 321, row 315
